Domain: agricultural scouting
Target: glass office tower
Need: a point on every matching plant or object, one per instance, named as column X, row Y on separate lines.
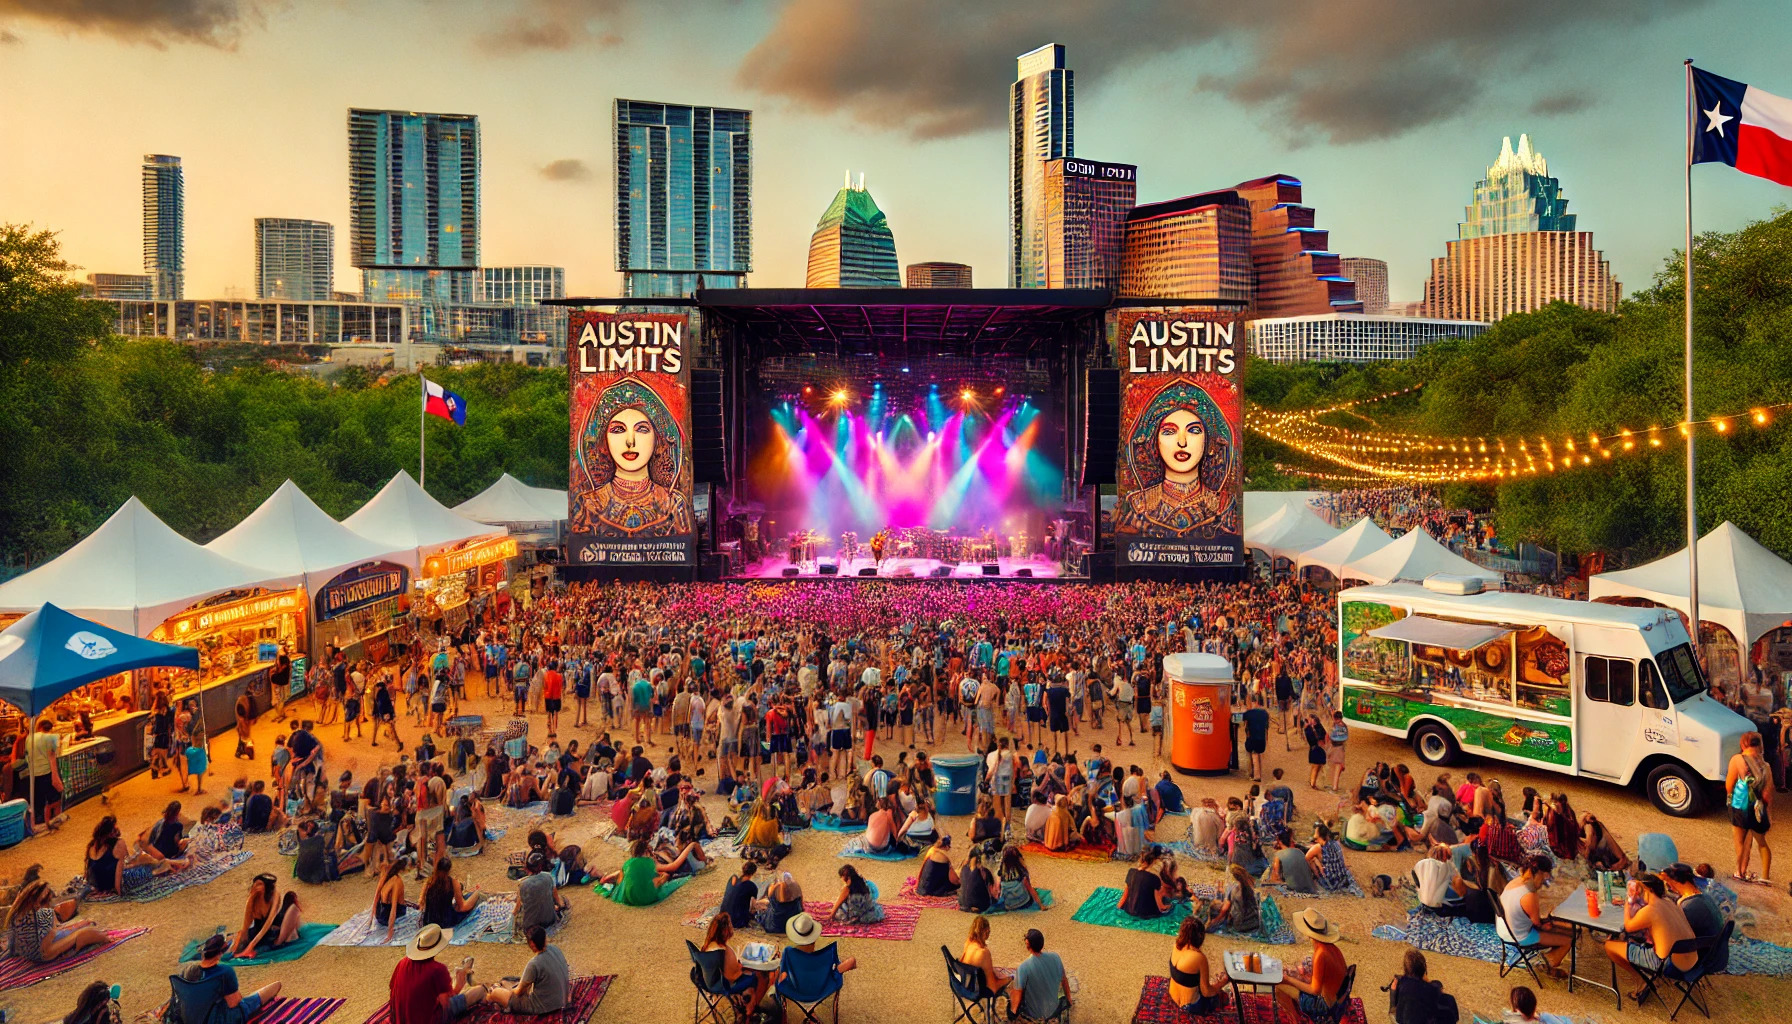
column 684, row 198
column 1085, row 206
column 294, row 259
column 1043, row 128
column 1517, row 195
column 414, row 204
column 852, row 246
column 164, row 225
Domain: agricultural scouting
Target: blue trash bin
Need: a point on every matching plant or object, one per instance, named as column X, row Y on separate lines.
column 956, row 780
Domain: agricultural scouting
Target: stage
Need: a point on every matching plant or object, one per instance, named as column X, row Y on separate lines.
column 1036, row 567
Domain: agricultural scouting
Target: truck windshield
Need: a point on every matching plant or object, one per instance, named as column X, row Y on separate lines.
column 1680, row 671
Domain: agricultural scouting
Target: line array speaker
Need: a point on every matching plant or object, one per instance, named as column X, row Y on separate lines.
column 1101, row 426
column 709, row 458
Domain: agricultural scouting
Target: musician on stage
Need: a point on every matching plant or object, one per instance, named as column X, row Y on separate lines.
column 877, row 548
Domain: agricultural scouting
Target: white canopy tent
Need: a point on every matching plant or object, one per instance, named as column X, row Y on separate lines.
column 402, row 516
column 509, row 500
column 1260, row 505
column 1362, row 539
column 1412, row 558
column 289, row 534
column 1743, row 587
column 1291, row 531
column 133, row 573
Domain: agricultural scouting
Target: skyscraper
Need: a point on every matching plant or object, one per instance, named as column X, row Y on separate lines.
column 852, row 246
column 1371, row 279
column 1196, row 248
column 1084, row 209
column 1042, row 105
column 521, row 286
column 684, row 198
column 938, row 275
column 1517, row 249
column 164, row 225
column 141, row 287
column 1296, row 275
column 414, row 204
column 294, row 259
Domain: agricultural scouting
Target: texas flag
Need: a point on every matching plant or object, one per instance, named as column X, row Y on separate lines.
column 1739, row 125
column 439, row 401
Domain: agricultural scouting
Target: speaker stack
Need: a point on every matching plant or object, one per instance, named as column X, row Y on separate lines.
column 1101, row 436
column 992, row 569
column 1028, row 573
column 869, row 570
column 830, row 568
column 790, row 570
column 709, row 462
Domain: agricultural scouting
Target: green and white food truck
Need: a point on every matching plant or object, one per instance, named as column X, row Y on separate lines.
column 1602, row 691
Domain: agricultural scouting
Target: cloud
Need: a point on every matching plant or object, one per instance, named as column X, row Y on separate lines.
column 559, row 25
column 8, row 39
column 1566, row 102
column 567, row 169
column 1316, row 70
column 155, row 22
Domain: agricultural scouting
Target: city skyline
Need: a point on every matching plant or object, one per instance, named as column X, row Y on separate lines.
column 940, row 147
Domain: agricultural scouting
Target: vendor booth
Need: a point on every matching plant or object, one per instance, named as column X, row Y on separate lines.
column 460, row 561
column 1200, row 713
column 1414, row 557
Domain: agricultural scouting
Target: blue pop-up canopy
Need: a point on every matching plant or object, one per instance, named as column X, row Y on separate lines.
column 50, row 652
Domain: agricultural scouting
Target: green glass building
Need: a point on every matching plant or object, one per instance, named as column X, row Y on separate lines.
column 1517, row 195
column 852, row 246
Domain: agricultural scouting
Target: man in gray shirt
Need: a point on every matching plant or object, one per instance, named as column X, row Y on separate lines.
column 537, row 904
column 1040, row 986
column 546, row 984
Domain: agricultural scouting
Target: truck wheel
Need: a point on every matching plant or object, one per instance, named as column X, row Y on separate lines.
column 1434, row 744
column 1675, row 790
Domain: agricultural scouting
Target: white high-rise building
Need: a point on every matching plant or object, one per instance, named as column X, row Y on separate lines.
column 1043, row 107
column 294, row 259
column 164, row 225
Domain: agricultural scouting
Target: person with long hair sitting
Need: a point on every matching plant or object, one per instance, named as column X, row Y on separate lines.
column 444, row 902
column 1192, row 986
column 855, row 905
column 636, row 882
column 264, row 925
column 1144, row 895
column 388, row 894
column 37, row 935
column 111, row 868
column 1237, row 909
column 744, row 986
column 976, row 954
column 1060, row 828
column 938, row 877
column 1017, row 882
column 977, row 888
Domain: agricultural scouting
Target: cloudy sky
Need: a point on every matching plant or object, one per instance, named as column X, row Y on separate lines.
column 1388, row 110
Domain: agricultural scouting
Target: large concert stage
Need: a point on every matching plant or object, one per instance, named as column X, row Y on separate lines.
column 864, row 568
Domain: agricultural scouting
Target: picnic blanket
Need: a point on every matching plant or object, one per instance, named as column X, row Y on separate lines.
column 1352, row 890
column 665, row 890
column 493, row 914
column 1451, row 936
column 18, row 972
column 297, row 1011
column 1092, row 854
column 729, row 846
column 898, row 924
column 162, row 886
column 907, row 894
column 309, row 935
column 1103, row 908
column 1155, row 1007
column 832, row 823
column 1753, row 956
column 857, row 848
column 492, row 835
column 586, row 993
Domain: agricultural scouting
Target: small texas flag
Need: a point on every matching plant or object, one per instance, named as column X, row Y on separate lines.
column 439, row 401
column 1739, row 125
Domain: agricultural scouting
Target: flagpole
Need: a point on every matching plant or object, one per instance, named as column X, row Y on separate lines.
column 1692, row 500
column 422, row 422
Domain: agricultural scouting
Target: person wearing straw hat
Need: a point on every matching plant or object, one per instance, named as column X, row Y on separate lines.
column 804, row 932
column 422, row 990
column 1313, row 995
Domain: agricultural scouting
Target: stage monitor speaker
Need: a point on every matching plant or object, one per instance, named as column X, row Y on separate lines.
column 1101, row 427
column 940, row 572
column 790, row 570
column 830, row 569
column 992, row 569
column 1027, row 573
column 868, row 570
column 709, row 458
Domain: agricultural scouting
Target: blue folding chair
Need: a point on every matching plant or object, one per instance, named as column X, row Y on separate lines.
column 201, row 1002
column 810, row 980
column 976, row 1003
column 713, row 991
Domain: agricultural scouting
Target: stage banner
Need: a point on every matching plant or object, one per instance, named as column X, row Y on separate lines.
column 1180, row 471
column 629, row 489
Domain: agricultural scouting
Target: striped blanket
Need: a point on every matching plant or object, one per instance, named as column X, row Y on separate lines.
column 162, row 886
column 490, row 921
column 17, row 972
column 297, row 1011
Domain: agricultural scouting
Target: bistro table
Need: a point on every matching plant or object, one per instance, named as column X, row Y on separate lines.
column 1608, row 922
column 1269, row 977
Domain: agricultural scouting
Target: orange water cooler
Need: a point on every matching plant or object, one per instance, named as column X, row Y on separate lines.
column 1200, row 712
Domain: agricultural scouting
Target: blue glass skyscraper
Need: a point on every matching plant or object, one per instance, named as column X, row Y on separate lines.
column 684, row 198
column 1517, row 195
column 414, row 204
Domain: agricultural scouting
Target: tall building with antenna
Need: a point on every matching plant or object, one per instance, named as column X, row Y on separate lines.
column 1042, row 104
column 852, row 246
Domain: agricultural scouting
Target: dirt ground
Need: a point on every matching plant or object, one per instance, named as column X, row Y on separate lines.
column 895, row 981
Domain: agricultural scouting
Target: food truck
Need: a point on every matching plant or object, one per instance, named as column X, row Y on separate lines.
column 1593, row 690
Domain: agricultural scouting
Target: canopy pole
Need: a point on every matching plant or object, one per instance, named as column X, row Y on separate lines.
column 1692, row 500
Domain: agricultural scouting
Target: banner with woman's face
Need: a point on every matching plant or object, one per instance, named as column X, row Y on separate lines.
column 629, row 489
column 1180, row 471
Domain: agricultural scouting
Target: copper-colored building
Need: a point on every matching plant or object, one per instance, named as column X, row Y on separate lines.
column 1196, row 247
column 937, row 274
column 1295, row 274
column 1492, row 276
column 1085, row 213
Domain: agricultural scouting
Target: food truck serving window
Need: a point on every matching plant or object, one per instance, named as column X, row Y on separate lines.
column 1610, row 680
column 1680, row 671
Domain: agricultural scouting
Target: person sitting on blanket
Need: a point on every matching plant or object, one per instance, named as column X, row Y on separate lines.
column 546, row 983
column 260, row 812
column 637, row 883
column 1239, row 843
column 37, row 931
column 740, row 898
column 1041, row 987
column 1017, row 882
column 1206, row 826
column 688, row 819
column 1662, row 923
column 783, row 901
column 1326, row 857
column 422, row 991
column 1533, row 835
column 388, row 894
column 595, row 792
column 208, row 968
column 1192, row 985
column 881, row 835
column 1499, row 840
column 1132, row 827
column 1288, row 866
column 855, row 809
column 265, row 927
column 521, row 788
column 1522, row 905
column 464, row 834
column 111, row 868
column 1366, row 830
column 444, row 902
column 1521, row 1008
column 763, row 830
column 1144, row 896
column 1169, row 796
column 1412, row 996
column 1096, row 828
column 855, row 904
column 976, row 954
column 977, row 887
column 643, row 815
column 1600, row 847
column 1432, row 875
column 1314, row 994
column 164, row 841
column 537, row 901
column 918, row 827
column 1039, row 812
column 570, row 869
column 1175, row 885
column 938, row 877
column 1237, row 910
column 1060, row 828
column 94, row 1005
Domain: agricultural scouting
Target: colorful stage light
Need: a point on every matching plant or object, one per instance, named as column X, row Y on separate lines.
column 840, row 396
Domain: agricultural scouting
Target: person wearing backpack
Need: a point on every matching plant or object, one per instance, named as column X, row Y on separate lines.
column 1415, row 999
column 1749, row 784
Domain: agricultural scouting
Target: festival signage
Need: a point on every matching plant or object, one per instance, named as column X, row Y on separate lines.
column 472, row 556
column 1180, row 471
column 629, row 492
column 215, row 616
column 365, row 584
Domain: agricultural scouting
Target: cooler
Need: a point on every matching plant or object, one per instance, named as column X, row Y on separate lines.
column 1200, row 712
column 13, row 816
column 955, row 780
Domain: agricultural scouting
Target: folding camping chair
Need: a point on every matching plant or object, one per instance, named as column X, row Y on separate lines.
column 1340, row 1007
column 976, row 1003
column 201, row 1002
column 810, row 980
column 1714, row 956
column 1527, row 953
column 713, row 991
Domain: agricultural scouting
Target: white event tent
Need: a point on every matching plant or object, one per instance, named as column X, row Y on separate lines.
column 1289, row 532
column 1743, row 587
column 402, row 516
column 132, row 574
column 1260, row 505
column 1412, row 558
column 289, row 534
column 1362, row 539
column 509, row 500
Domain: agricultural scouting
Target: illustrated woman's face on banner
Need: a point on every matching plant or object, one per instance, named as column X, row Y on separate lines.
column 631, row 441
column 1181, row 442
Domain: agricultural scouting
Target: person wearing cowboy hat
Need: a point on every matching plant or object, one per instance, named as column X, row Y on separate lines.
column 804, row 932
column 1314, row 996
column 422, row 991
